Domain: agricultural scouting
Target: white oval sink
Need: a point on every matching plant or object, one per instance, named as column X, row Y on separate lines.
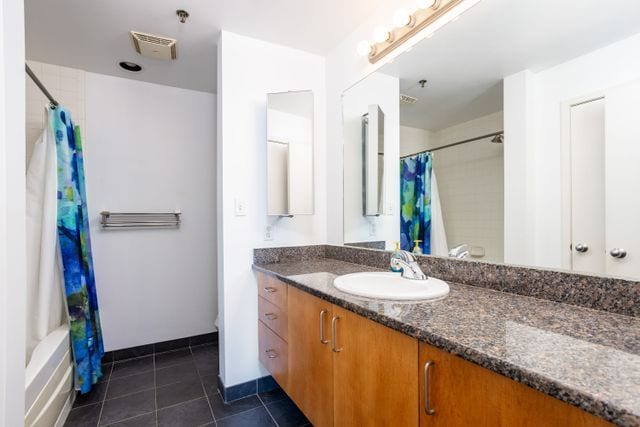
column 391, row 286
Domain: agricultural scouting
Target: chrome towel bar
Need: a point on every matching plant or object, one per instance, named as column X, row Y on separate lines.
column 140, row 219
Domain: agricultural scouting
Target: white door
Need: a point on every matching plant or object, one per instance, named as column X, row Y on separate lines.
column 587, row 142
column 622, row 155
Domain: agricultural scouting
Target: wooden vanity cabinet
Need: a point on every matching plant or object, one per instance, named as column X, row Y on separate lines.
column 310, row 356
column 342, row 369
column 272, row 328
column 374, row 373
column 345, row 370
column 363, row 375
column 461, row 393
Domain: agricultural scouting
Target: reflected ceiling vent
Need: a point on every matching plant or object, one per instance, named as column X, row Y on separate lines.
column 155, row 47
column 406, row 99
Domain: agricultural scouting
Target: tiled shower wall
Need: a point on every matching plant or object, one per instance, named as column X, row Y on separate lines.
column 67, row 87
column 470, row 182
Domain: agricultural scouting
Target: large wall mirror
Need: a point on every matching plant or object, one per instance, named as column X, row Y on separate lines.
column 510, row 136
column 290, row 153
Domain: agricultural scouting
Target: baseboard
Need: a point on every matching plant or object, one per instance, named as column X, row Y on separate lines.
column 147, row 349
column 238, row 391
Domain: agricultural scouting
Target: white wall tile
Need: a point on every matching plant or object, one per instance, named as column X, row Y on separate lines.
column 67, row 87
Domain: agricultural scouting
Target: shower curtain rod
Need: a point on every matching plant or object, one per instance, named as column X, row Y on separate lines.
column 477, row 138
column 44, row 90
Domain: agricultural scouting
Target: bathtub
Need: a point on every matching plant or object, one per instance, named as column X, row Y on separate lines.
column 49, row 381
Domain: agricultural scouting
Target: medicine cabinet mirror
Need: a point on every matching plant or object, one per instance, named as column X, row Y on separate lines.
column 290, row 153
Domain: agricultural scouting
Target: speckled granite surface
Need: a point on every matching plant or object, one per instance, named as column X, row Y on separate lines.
column 600, row 293
column 585, row 357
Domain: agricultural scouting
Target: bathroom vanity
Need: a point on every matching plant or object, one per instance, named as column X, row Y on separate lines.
column 477, row 357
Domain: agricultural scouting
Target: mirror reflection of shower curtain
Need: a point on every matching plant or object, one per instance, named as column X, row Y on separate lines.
column 415, row 202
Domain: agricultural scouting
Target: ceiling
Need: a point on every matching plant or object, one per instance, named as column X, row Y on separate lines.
column 94, row 35
column 465, row 61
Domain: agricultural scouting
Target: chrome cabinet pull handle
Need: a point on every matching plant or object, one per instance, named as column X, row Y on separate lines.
column 427, row 406
column 618, row 253
column 582, row 248
column 271, row 353
column 271, row 316
column 334, row 335
column 323, row 340
column 270, row 289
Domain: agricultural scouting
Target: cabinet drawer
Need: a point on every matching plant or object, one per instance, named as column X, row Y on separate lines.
column 273, row 354
column 272, row 289
column 273, row 316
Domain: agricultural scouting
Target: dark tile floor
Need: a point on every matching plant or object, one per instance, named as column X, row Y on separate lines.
column 176, row 388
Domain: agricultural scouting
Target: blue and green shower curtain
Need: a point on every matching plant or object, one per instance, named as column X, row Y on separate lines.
column 75, row 248
column 415, row 202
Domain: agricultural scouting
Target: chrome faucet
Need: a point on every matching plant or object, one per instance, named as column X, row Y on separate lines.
column 409, row 265
column 460, row 252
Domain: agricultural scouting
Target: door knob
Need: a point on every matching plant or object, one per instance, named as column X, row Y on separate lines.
column 581, row 247
column 618, row 253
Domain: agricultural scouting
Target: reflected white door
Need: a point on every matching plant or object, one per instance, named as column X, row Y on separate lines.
column 588, row 186
column 623, row 180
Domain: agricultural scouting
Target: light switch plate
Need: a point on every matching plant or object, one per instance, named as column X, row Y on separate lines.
column 240, row 207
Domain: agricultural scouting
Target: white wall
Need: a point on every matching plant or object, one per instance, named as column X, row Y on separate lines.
column 382, row 90
column 151, row 148
column 248, row 70
column 536, row 100
column 519, row 146
column 12, row 214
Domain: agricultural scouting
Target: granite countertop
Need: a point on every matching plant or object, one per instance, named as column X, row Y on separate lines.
column 585, row 357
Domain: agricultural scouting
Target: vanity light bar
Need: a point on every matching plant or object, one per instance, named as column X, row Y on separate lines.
column 407, row 25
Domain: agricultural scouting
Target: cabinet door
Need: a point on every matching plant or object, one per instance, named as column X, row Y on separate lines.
column 374, row 373
column 461, row 393
column 310, row 357
column 457, row 393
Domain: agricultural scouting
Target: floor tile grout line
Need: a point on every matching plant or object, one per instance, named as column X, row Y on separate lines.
column 104, row 398
column 189, row 346
column 241, row 412
column 155, row 388
column 112, row 367
column 267, row 409
column 127, row 419
column 179, row 403
column 130, row 394
column 131, row 375
column 206, row 395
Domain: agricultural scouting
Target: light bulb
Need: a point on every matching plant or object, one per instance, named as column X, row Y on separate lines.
column 401, row 18
column 364, row 48
column 425, row 4
column 381, row 35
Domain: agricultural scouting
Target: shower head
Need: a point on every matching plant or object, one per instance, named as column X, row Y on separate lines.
column 498, row 139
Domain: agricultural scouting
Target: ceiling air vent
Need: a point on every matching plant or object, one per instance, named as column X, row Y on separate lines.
column 406, row 99
column 155, row 47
